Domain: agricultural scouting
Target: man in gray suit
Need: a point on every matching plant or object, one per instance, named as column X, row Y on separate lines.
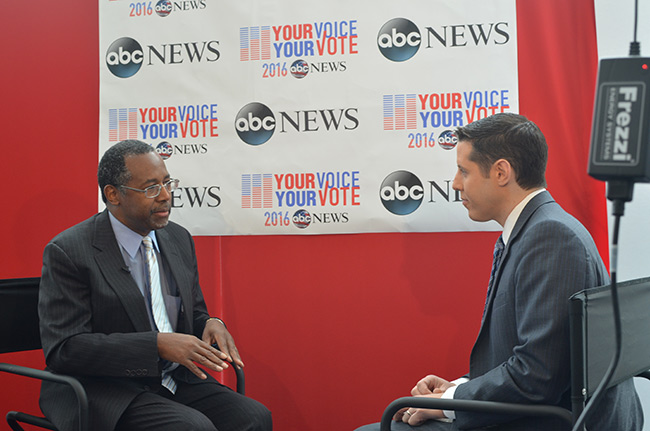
column 121, row 309
column 544, row 255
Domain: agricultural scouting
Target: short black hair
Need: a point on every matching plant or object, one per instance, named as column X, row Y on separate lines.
column 511, row 137
column 112, row 167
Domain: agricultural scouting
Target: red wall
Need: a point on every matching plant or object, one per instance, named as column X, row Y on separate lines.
column 331, row 327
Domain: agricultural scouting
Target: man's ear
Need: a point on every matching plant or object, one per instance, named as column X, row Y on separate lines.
column 112, row 194
column 504, row 172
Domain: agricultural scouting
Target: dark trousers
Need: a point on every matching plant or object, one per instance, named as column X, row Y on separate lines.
column 205, row 406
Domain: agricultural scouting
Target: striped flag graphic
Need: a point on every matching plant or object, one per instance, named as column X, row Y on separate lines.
column 256, row 191
column 255, row 43
column 122, row 124
column 400, row 112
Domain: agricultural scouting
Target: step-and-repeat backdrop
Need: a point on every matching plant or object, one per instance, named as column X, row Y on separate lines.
column 305, row 117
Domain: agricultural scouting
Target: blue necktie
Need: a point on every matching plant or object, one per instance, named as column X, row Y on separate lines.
column 496, row 261
column 158, row 308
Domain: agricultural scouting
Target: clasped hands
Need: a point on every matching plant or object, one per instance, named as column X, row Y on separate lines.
column 431, row 386
column 188, row 350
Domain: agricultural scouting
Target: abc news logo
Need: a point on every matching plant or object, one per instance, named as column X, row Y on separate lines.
column 125, row 56
column 166, row 150
column 255, row 123
column 302, row 218
column 300, row 68
column 165, row 7
column 400, row 39
column 402, row 192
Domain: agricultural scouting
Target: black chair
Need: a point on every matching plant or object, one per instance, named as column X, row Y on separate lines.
column 592, row 343
column 20, row 332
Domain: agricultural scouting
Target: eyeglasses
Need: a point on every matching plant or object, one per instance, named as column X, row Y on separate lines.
column 153, row 191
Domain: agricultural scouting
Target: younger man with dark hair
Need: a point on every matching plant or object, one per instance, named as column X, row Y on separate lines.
column 544, row 255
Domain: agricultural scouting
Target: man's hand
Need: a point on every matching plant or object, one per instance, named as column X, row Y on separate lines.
column 428, row 385
column 186, row 349
column 431, row 386
column 215, row 332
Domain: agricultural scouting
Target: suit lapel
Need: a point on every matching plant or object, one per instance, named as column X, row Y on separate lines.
column 172, row 256
column 111, row 264
column 525, row 215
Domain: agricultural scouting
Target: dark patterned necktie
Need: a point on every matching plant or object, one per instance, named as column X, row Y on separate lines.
column 496, row 261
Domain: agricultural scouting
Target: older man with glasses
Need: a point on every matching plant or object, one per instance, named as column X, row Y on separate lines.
column 121, row 308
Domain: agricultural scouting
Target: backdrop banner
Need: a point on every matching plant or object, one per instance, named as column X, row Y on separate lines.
column 288, row 117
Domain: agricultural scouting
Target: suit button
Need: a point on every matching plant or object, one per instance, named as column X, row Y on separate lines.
column 147, row 388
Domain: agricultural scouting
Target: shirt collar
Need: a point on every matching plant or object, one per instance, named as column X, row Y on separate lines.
column 128, row 239
column 509, row 225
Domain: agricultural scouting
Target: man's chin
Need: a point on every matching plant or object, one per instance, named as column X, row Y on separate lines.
column 160, row 222
column 477, row 217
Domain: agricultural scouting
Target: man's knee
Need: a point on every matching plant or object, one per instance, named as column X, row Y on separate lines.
column 197, row 422
column 260, row 418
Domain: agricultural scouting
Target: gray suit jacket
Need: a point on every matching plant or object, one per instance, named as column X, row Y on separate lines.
column 522, row 354
column 94, row 321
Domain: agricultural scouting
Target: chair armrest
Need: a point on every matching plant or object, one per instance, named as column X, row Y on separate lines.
column 471, row 406
column 79, row 391
column 241, row 380
column 239, row 372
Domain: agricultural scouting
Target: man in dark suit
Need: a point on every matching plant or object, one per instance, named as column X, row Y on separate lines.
column 121, row 309
column 544, row 255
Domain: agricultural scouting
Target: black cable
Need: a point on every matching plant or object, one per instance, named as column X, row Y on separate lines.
column 636, row 18
column 619, row 192
column 635, row 46
column 618, row 212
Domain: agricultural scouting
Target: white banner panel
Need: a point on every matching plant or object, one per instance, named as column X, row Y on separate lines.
column 304, row 117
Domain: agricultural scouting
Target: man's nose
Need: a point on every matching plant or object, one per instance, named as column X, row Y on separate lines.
column 456, row 184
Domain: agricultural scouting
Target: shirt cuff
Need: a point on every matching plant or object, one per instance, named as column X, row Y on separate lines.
column 449, row 395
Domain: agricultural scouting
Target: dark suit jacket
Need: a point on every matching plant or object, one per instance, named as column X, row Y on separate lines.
column 94, row 322
column 521, row 354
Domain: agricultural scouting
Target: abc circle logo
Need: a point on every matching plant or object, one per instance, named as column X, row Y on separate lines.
column 124, row 57
column 448, row 140
column 255, row 123
column 164, row 8
column 401, row 192
column 301, row 219
column 165, row 150
column 399, row 39
column 299, row 69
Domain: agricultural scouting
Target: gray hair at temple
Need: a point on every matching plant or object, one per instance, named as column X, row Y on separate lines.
column 112, row 167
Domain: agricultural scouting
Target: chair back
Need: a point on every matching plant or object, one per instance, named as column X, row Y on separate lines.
column 593, row 336
column 19, row 315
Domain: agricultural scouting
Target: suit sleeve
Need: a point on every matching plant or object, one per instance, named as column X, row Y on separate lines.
column 74, row 337
column 550, row 262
